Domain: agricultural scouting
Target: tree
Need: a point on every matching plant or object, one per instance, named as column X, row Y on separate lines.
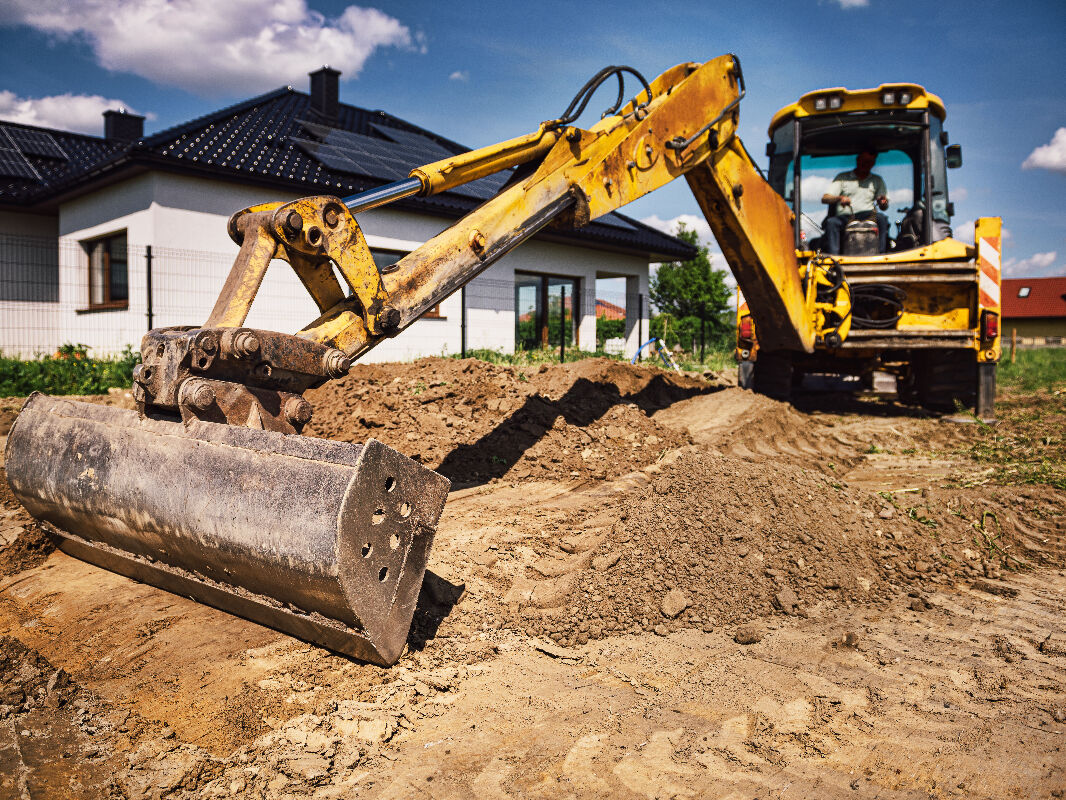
column 693, row 288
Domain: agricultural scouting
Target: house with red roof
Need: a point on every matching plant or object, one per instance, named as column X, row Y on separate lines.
column 1035, row 308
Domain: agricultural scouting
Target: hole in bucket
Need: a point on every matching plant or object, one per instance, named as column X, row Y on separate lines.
column 390, row 484
column 367, row 550
column 379, row 516
column 394, row 541
column 201, row 362
column 405, row 510
column 383, row 573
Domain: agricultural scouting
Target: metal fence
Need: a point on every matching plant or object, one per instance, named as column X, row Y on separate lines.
column 46, row 286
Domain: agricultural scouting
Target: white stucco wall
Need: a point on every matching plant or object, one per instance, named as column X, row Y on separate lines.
column 184, row 221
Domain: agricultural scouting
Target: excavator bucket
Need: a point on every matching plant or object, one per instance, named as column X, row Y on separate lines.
column 323, row 540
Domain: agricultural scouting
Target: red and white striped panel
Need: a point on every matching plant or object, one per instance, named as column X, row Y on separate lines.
column 988, row 263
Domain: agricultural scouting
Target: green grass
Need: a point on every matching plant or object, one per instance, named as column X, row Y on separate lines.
column 69, row 371
column 1043, row 368
column 1028, row 443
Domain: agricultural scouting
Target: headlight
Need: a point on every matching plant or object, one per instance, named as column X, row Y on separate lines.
column 819, row 104
column 905, row 98
column 835, row 101
column 888, row 98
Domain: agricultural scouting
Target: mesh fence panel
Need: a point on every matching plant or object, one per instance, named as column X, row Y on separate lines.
column 44, row 303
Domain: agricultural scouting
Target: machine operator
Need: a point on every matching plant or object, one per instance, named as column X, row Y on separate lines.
column 857, row 194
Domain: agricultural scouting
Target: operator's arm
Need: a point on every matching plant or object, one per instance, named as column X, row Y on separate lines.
column 835, row 193
column 880, row 192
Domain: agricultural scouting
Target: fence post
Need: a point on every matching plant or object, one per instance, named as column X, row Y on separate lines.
column 640, row 322
column 1013, row 343
column 462, row 322
column 148, row 282
column 562, row 324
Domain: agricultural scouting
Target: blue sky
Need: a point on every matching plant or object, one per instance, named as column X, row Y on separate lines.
column 480, row 72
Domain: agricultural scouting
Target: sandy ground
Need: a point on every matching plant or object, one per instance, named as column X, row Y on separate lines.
column 643, row 586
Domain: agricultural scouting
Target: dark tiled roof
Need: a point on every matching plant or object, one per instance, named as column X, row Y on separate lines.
column 77, row 154
column 277, row 139
column 1046, row 297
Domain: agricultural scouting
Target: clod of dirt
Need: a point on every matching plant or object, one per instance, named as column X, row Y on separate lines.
column 786, row 601
column 674, row 603
column 28, row 680
column 749, row 634
column 1000, row 589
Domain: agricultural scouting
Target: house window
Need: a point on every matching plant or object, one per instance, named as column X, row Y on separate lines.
column 544, row 310
column 385, row 259
column 1023, row 292
column 108, row 272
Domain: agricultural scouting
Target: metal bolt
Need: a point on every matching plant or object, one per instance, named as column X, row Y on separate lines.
column 206, row 341
column 389, row 318
column 331, row 216
column 298, row 411
column 294, row 223
column 263, row 370
column 478, row 241
column 631, row 165
column 573, row 135
column 336, row 364
column 608, row 183
column 245, row 344
column 198, row 395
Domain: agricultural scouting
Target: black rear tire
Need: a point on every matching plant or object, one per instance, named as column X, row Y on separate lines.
column 943, row 380
column 745, row 374
column 772, row 375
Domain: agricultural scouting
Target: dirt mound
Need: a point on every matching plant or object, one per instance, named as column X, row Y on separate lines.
column 716, row 540
column 474, row 421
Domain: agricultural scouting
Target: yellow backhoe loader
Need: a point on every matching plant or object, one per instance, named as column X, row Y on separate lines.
column 209, row 490
column 924, row 307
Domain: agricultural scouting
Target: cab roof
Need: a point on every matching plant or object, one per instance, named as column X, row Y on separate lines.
column 860, row 100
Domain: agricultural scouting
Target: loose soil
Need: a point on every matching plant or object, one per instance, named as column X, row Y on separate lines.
column 644, row 585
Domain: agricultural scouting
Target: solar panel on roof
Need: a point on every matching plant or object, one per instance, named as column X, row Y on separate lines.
column 35, row 143
column 414, row 140
column 14, row 165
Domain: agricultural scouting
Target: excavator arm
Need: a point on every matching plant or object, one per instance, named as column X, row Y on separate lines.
column 206, row 491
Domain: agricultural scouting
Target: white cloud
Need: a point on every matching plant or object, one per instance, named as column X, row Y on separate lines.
column 691, row 221
column 68, row 112
column 459, row 75
column 1038, row 265
column 216, row 48
column 853, row 3
column 959, row 193
column 1050, row 156
column 703, row 230
column 812, row 187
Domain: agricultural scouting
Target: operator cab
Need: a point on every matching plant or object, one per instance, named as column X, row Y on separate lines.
column 903, row 125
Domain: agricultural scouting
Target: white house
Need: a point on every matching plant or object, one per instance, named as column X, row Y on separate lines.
column 104, row 237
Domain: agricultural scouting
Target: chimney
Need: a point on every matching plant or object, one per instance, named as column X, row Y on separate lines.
column 324, row 93
column 122, row 126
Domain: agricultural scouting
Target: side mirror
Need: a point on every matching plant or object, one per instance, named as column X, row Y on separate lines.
column 770, row 148
column 953, row 156
column 951, row 209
